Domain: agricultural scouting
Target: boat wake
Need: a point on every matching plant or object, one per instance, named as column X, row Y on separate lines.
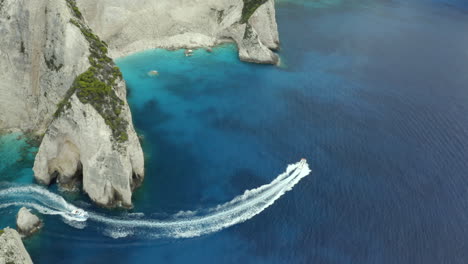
column 182, row 225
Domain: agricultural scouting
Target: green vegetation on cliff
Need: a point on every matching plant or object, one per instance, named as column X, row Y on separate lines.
column 74, row 8
column 96, row 85
column 250, row 6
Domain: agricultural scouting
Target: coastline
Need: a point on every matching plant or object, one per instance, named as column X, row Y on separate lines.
column 12, row 249
column 184, row 41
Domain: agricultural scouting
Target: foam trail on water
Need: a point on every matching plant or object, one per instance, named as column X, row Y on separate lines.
column 182, row 225
column 38, row 198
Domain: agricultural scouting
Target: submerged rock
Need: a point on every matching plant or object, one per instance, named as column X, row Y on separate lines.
column 153, row 73
column 27, row 223
column 12, row 249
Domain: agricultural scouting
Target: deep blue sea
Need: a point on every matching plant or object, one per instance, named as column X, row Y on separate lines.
column 373, row 93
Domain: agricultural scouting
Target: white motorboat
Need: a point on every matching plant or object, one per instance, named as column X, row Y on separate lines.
column 188, row 53
column 79, row 215
column 302, row 163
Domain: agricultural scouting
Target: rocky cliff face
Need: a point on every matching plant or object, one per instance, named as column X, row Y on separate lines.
column 11, row 247
column 131, row 26
column 79, row 143
column 27, row 223
column 57, row 80
column 91, row 137
column 41, row 53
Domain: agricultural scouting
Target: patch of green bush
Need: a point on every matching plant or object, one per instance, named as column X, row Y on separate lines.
column 250, row 6
column 74, row 8
column 96, row 85
column 91, row 90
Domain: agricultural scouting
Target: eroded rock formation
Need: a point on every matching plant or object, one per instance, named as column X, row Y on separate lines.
column 59, row 81
column 92, row 137
column 27, row 223
column 130, row 26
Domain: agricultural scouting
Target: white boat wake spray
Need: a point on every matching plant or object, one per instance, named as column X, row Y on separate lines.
column 188, row 224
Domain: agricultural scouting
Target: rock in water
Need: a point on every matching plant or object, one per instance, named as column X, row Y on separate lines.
column 153, row 73
column 12, row 249
column 27, row 223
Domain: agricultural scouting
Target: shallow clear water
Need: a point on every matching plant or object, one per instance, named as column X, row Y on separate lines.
column 16, row 155
column 372, row 93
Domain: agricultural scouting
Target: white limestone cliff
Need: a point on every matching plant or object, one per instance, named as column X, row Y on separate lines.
column 47, row 44
column 12, row 249
column 41, row 55
column 27, row 223
column 79, row 143
column 130, row 26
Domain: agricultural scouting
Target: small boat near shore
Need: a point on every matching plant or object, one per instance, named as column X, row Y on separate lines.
column 79, row 215
column 188, row 53
column 153, row 73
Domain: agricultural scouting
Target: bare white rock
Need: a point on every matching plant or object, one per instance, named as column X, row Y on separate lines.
column 41, row 54
column 12, row 249
column 130, row 26
column 27, row 223
column 81, row 140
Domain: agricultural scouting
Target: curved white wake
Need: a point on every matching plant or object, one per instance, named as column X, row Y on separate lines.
column 189, row 224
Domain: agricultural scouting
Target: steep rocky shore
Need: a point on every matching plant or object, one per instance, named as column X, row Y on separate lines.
column 60, row 83
column 12, row 249
column 130, row 26
column 59, row 80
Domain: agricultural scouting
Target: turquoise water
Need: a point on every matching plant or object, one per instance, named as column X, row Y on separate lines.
column 372, row 93
column 17, row 156
column 16, row 160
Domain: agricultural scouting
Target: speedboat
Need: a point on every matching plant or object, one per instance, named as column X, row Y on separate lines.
column 302, row 162
column 79, row 215
column 188, row 53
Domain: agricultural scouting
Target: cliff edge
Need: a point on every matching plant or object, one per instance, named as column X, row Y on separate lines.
column 58, row 82
column 130, row 26
column 12, row 249
column 92, row 138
